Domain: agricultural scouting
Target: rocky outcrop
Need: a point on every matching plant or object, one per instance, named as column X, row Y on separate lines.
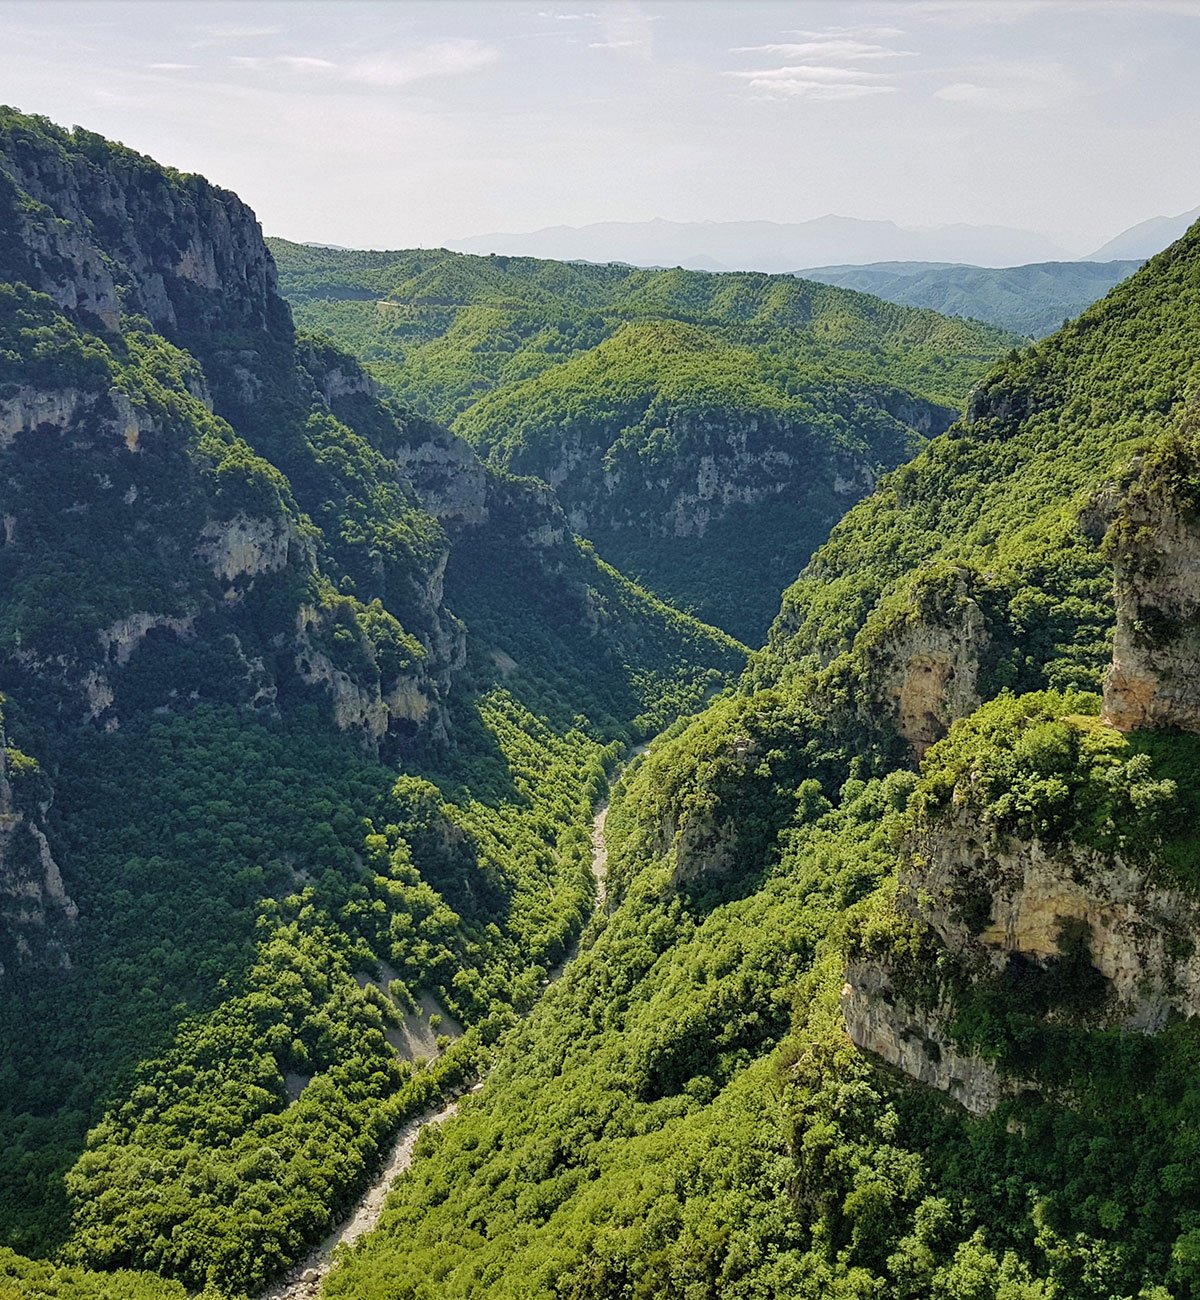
column 994, row 900
column 914, row 669
column 934, row 676
column 36, row 913
column 32, row 410
column 720, row 462
column 1154, row 681
column 360, row 701
column 915, row 1042
column 122, row 637
column 130, row 236
column 449, row 478
column 244, row 547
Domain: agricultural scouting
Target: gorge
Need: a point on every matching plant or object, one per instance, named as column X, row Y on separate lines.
column 331, row 618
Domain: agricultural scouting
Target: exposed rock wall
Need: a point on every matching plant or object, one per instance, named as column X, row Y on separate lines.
column 994, row 899
column 914, row 669
column 915, row 1041
column 242, row 548
column 1154, row 681
column 361, row 702
column 449, row 478
column 719, row 463
column 36, row 913
column 183, row 252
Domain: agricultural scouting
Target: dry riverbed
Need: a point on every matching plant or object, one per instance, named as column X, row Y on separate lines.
column 304, row 1281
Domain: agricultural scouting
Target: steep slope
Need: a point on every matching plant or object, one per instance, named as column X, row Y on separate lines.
column 707, row 469
column 849, row 1030
column 704, row 431
column 1031, row 300
column 306, row 712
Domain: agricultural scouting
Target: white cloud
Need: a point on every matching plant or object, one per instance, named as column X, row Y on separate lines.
column 831, row 49
column 566, row 18
column 809, row 81
column 1028, row 87
column 626, row 28
column 441, row 59
column 170, row 67
column 858, row 33
column 387, row 68
column 825, row 65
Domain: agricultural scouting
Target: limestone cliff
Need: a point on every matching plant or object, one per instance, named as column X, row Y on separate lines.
column 915, row 667
column 104, row 231
column 1154, row 681
column 1033, row 870
column 168, row 487
column 36, row 913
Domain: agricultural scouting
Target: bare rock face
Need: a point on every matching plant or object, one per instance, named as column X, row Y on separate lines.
column 915, row 669
column 985, row 907
column 183, row 252
column 935, row 677
column 31, row 410
column 914, row 1041
column 242, row 548
column 446, row 474
column 36, row 913
column 361, row 703
column 992, row 900
column 1154, row 681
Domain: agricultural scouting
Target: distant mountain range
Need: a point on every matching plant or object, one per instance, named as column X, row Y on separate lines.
column 768, row 245
column 828, row 242
column 1032, row 300
column 1146, row 238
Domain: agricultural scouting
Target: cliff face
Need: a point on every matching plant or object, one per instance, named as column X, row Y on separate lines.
column 36, row 913
column 104, row 231
column 1154, row 681
column 1038, row 847
column 145, row 471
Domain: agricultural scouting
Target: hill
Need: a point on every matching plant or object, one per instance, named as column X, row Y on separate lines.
column 1030, row 300
column 713, row 487
column 306, row 711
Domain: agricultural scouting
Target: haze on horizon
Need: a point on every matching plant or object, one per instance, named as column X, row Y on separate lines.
column 423, row 123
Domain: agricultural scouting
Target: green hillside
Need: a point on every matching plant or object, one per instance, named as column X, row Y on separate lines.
column 704, row 431
column 285, row 767
column 1032, row 300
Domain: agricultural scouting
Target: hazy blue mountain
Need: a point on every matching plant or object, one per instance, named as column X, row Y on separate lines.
column 1146, row 238
column 769, row 245
column 1032, row 300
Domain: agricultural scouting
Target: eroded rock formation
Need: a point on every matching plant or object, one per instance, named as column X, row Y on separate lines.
column 1154, row 681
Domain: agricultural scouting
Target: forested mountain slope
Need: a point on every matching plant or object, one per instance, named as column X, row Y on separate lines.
column 1032, row 300
column 896, row 994
column 705, row 431
column 306, row 711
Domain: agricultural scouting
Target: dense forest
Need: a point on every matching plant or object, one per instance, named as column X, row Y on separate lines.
column 311, row 704
column 704, row 431
column 1033, row 300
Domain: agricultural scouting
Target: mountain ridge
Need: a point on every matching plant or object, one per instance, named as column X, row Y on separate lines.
column 767, row 245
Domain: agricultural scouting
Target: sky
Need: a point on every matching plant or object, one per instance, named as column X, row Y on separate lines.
column 403, row 123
